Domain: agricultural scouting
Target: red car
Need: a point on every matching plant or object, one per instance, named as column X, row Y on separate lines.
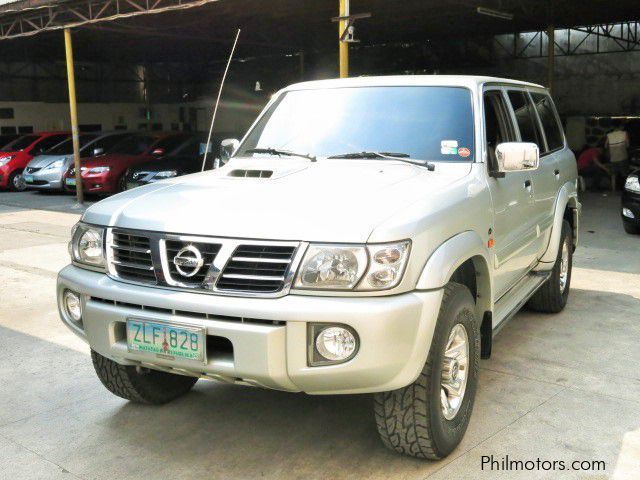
column 15, row 156
column 107, row 173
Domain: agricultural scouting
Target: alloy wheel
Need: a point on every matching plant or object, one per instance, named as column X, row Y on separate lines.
column 455, row 368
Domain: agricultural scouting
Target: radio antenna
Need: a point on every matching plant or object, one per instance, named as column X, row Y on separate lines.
column 215, row 108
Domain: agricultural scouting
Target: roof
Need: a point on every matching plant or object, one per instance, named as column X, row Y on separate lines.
column 468, row 81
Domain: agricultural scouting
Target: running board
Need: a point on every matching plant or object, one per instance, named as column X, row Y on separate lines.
column 516, row 297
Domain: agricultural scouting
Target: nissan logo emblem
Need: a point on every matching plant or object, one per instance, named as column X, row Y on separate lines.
column 188, row 261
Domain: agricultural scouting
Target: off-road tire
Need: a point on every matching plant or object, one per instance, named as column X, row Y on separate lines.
column 140, row 385
column 550, row 298
column 410, row 420
column 630, row 228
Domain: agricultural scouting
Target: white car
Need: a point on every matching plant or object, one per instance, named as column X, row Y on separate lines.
column 368, row 235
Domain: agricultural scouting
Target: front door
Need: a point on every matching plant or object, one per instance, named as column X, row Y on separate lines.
column 514, row 230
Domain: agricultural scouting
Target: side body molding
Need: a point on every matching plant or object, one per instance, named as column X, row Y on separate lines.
column 449, row 256
column 567, row 196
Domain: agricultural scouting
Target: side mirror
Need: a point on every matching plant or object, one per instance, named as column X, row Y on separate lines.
column 227, row 148
column 98, row 151
column 158, row 152
column 517, row 156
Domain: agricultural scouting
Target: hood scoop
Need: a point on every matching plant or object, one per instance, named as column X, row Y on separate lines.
column 243, row 173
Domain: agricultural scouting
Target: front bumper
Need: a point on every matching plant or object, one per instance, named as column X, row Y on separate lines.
column 45, row 179
column 631, row 201
column 268, row 336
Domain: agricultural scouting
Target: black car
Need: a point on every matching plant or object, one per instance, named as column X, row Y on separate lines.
column 185, row 159
column 631, row 203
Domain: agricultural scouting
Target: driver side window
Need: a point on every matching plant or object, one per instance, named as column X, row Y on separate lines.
column 498, row 128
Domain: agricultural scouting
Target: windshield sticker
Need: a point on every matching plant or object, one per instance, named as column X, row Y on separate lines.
column 464, row 152
column 449, row 144
column 448, row 150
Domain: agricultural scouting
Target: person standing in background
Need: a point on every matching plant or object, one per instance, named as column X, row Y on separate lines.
column 617, row 145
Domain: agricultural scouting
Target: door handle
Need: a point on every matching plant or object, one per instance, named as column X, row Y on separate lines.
column 556, row 172
column 527, row 184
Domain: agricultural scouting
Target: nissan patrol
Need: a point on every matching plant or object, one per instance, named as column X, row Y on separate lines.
column 368, row 235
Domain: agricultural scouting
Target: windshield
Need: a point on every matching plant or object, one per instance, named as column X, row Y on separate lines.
column 134, row 145
column 427, row 123
column 20, row 143
column 66, row 147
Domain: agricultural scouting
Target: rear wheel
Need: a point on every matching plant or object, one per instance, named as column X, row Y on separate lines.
column 16, row 182
column 428, row 418
column 140, row 385
column 552, row 296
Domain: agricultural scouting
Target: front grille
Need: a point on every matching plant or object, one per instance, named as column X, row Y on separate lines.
column 208, row 252
column 32, row 169
column 227, row 266
column 257, row 268
column 131, row 257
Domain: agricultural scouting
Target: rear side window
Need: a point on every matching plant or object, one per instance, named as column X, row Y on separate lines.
column 525, row 117
column 49, row 142
column 547, row 114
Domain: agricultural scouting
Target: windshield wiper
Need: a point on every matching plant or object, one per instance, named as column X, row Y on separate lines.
column 278, row 151
column 402, row 157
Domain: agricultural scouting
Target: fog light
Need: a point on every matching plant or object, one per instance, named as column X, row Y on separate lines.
column 332, row 344
column 72, row 305
column 628, row 213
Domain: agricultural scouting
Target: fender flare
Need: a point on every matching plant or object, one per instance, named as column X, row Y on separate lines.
column 567, row 196
column 444, row 261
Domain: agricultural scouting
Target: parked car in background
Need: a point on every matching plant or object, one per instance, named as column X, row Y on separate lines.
column 17, row 154
column 375, row 233
column 45, row 172
column 8, row 137
column 107, row 173
column 185, row 159
column 631, row 203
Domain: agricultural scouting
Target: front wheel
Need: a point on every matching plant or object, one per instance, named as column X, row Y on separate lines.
column 140, row 385
column 631, row 228
column 16, row 182
column 428, row 418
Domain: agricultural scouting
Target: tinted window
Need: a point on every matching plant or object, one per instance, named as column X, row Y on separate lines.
column 134, row 145
column 20, row 143
column 4, row 139
column 105, row 143
column 191, row 149
column 525, row 116
column 66, row 147
column 169, row 144
column 547, row 114
column 498, row 127
column 49, row 142
column 430, row 123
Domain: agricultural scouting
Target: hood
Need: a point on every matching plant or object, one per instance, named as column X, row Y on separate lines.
column 277, row 199
column 42, row 161
column 107, row 159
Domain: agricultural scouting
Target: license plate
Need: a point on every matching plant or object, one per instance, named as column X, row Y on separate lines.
column 167, row 340
column 70, row 181
column 28, row 178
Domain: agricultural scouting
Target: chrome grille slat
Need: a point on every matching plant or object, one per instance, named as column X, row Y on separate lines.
column 229, row 266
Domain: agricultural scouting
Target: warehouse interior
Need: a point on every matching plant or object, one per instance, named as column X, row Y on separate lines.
column 158, row 66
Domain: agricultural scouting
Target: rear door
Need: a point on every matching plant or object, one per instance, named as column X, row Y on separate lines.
column 513, row 229
column 548, row 179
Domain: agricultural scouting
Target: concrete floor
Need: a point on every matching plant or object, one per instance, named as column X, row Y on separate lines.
column 559, row 387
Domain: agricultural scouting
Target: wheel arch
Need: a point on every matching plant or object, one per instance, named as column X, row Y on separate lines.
column 465, row 259
column 567, row 207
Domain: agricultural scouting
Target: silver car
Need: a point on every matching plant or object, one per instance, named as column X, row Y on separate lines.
column 46, row 172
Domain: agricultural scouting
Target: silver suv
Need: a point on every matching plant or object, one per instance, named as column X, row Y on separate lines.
column 367, row 235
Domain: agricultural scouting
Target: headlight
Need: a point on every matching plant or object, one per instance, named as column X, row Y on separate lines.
column 341, row 267
column 54, row 165
column 94, row 170
column 5, row 160
column 632, row 184
column 166, row 174
column 86, row 245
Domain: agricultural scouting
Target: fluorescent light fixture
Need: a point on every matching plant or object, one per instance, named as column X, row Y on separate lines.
column 494, row 13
